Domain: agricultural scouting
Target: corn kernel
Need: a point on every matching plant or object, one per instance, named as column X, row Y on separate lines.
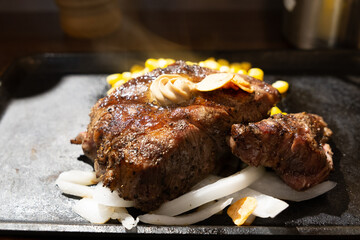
column 169, row 61
column 245, row 65
column 136, row 68
column 162, row 63
column 275, row 110
column 242, row 209
column 119, row 83
column 256, row 73
column 151, row 64
column 126, row 75
column 202, row 64
column 223, row 62
column 235, row 67
column 115, row 85
column 281, row 86
column 209, row 63
column 242, row 71
column 138, row 74
column 190, row 63
column 224, row 69
column 113, row 78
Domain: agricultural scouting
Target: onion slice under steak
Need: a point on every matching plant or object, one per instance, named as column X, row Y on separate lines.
column 217, row 190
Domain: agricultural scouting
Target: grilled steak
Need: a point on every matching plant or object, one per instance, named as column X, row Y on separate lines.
column 151, row 153
column 294, row 145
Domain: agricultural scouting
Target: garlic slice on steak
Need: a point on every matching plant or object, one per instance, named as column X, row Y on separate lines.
column 223, row 80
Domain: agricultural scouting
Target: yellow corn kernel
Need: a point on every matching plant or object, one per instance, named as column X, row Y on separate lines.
column 169, row 61
column 256, row 73
column 281, row 86
column 223, row 62
column 162, row 63
column 275, row 110
column 113, row 78
column 126, row 75
column 242, row 71
column 235, row 67
column 151, row 64
column 136, row 68
column 116, row 85
column 190, row 63
column 138, row 74
column 224, row 69
column 210, row 63
column 119, row 83
column 242, row 209
column 245, row 65
column 202, row 63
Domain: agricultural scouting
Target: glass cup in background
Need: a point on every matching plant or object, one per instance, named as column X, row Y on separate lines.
column 314, row 24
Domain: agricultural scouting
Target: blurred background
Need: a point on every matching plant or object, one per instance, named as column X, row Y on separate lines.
column 38, row 26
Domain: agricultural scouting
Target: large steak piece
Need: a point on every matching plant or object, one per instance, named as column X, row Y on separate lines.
column 152, row 153
column 294, row 145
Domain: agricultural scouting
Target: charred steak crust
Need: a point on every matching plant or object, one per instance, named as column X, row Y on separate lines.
column 152, row 154
column 294, row 145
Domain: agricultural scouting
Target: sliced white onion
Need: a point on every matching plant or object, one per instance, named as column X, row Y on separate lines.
column 122, row 215
column 267, row 206
column 219, row 189
column 79, row 177
column 75, row 189
column 206, row 181
column 93, row 211
column 186, row 219
column 105, row 196
column 272, row 185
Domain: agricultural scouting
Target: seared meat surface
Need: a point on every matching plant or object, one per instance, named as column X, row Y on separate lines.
column 151, row 153
column 294, row 145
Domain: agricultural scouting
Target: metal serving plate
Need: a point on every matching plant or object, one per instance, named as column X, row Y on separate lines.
column 45, row 101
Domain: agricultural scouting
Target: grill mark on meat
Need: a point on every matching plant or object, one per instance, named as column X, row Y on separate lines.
column 294, row 145
column 151, row 153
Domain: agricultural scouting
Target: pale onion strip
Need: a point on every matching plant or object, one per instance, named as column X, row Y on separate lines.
column 206, row 181
column 75, row 189
column 79, row 177
column 105, row 196
column 219, row 189
column 267, row 206
column 272, row 185
column 122, row 215
column 93, row 211
column 186, row 219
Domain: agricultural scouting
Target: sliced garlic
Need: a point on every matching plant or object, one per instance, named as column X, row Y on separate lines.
column 214, row 81
column 219, row 80
column 241, row 83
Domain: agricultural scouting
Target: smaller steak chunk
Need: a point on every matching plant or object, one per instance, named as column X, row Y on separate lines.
column 294, row 145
